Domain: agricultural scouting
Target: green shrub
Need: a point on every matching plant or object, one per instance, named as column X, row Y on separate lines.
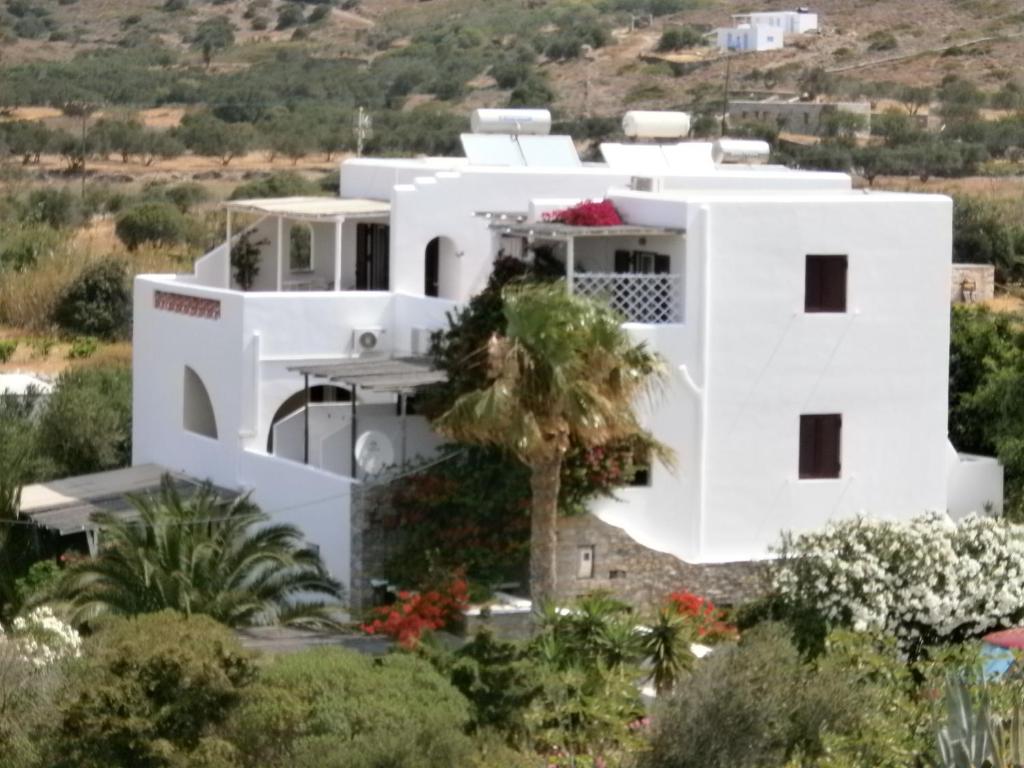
column 83, row 348
column 677, row 38
column 22, row 245
column 333, row 708
column 56, row 208
column 756, row 704
column 151, row 222
column 290, row 15
column 86, row 424
column 282, row 184
column 98, row 302
column 882, row 41
column 150, row 692
column 7, row 350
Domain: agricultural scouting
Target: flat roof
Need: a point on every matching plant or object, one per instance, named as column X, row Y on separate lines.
column 392, row 374
column 67, row 505
column 312, row 208
column 551, row 229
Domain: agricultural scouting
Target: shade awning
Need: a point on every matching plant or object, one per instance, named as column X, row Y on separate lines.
column 394, row 374
column 551, row 229
column 312, row 208
column 66, row 506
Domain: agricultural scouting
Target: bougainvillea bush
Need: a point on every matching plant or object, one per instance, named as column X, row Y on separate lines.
column 709, row 621
column 589, row 213
column 414, row 613
column 926, row 581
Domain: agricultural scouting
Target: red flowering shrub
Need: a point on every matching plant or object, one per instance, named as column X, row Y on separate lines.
column 417, row 612
column 710, row 622
column 589, row 213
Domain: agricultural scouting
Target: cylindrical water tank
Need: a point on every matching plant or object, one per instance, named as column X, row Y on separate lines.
column 535, row 121
column 740, row 151
column 638, row 124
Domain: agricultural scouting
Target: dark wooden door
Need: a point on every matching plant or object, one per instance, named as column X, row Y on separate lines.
column 432, row 279
column 372, row 257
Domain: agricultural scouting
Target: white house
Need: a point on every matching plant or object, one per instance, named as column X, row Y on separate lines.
column 796, row 22
column 748, row 37
column 805, row 325
column 764, row 30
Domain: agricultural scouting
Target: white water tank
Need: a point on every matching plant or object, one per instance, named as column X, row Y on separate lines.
column 749, row 151
column 638, row 124
column 530, row 121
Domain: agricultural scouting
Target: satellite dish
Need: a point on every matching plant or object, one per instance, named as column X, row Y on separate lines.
column 374, row 452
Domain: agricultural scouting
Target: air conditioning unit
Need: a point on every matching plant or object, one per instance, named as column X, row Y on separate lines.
column 370, row 341
column 421, row 340
column 646, row 183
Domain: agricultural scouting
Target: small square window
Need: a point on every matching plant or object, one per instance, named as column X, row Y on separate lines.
column 820, row 441
column 585, row 566
column 825, row 284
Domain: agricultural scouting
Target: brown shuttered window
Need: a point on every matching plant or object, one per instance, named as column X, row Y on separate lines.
column 825, row 286
column 820, row 438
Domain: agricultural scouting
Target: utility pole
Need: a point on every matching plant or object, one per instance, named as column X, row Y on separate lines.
column 84, row 118
column 725, row 93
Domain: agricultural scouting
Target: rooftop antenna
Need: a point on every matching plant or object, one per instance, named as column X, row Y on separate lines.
column 364, row 130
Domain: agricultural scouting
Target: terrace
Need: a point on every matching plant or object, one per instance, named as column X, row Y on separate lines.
column 302, row 244
column 637, row 270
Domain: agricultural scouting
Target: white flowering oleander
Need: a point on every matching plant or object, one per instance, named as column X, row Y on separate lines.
column 924, row 580
column 41, row 638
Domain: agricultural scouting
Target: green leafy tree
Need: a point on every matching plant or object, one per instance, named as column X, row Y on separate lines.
column 210, row 136
column 86, row 424
column 212, row 36
column 677, row 38
column 121, row 136
column 563, row 371
column 159, row 145
column 151, row 221
column 201, row 555
column 98, row 302
column 151, row 692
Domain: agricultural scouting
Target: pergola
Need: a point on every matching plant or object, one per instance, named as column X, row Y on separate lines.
column 309, row 209
column 66, row 506
column 398, row 375
column 553, row 231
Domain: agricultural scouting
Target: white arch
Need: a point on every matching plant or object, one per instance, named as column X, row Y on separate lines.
column 443, row 279
column 197, row 408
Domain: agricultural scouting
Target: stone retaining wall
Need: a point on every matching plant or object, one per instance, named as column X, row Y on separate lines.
column 642, row 576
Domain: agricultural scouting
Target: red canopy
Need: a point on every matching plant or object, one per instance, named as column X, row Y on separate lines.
column 1006, row 638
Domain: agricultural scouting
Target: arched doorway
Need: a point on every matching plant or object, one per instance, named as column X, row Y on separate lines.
column 439, row 271
column 432, row 271
column 197, row 408
column 321, row 393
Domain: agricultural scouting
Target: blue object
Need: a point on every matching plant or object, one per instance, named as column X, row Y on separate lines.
column 996, row 662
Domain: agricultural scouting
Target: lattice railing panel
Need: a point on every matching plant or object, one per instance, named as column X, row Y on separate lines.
column 640, row 298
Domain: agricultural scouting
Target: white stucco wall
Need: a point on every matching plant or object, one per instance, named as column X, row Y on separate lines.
column 883, row 364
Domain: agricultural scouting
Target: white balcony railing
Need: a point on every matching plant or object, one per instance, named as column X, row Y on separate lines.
column 640, row 298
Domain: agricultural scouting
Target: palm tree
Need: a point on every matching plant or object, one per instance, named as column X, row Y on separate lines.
column 200, row 555
column 564, row 372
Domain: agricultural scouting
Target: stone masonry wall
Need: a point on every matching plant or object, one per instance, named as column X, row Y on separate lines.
column 632, row 572
column 642, row 576
column 972, row 283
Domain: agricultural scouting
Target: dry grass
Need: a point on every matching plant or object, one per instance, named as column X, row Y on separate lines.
column 28, row 298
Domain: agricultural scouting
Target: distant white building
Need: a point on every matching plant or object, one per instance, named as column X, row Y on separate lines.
column 764, row 30
column 795, row 22
column 805, row 325
column 748, row 37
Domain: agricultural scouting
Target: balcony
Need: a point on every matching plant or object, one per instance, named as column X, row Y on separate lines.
column 640, row 298
column 638, row 271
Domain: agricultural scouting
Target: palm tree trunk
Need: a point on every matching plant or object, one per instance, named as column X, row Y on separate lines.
column 545, row 478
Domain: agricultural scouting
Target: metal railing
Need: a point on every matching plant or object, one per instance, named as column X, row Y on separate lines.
column 640, row 298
